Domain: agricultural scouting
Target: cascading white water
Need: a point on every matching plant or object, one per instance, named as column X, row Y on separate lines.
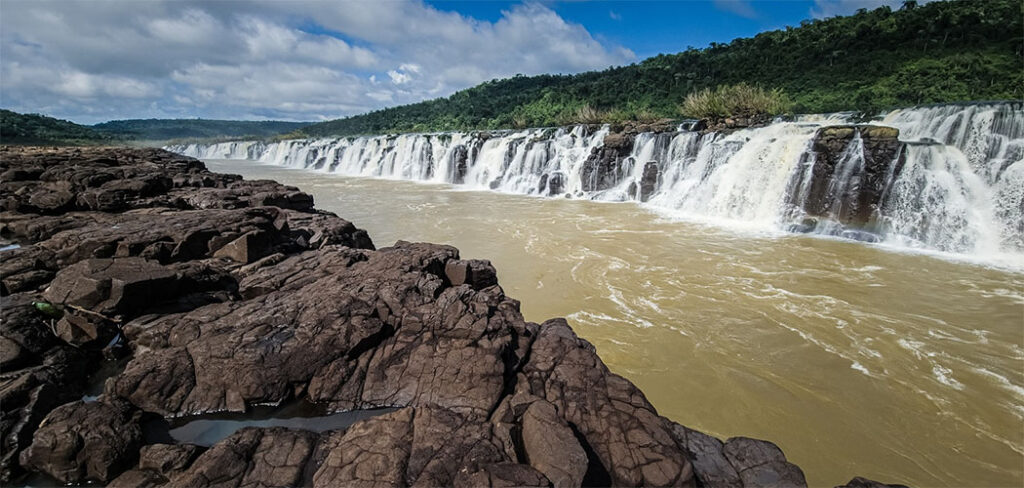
column 960, row 188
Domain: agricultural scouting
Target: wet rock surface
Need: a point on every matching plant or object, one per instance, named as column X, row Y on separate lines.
column 231, row 294
column 850, row 168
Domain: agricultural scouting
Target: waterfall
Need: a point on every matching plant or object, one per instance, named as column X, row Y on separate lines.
column 953, row 182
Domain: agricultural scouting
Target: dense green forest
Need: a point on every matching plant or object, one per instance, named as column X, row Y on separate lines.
column 165, row 129
column 18, row 128
column 873, row 60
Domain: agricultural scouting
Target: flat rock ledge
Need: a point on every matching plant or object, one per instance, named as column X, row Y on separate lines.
column 221, row 294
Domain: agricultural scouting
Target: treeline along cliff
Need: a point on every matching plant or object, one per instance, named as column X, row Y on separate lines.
column 870, row 61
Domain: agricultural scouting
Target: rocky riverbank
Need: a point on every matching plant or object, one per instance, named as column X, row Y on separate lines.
column 222, row 294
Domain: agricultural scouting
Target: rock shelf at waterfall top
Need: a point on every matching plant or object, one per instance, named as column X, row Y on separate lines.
column 221, row 295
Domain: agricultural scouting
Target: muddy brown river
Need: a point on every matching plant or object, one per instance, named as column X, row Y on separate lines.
column 855, row 359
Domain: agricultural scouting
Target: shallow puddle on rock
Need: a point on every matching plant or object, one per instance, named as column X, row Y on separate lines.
column 98, row 380
column 206, row 430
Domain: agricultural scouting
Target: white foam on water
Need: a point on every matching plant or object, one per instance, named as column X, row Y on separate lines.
column 959, row 196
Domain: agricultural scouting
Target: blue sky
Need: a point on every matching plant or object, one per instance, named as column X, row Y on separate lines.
column 649, row 28
column 97, row 60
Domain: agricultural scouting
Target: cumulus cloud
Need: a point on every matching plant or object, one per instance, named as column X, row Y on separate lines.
column 299, row 60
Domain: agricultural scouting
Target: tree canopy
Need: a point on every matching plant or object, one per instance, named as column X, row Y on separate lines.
column 872, row 60
column 18, row 128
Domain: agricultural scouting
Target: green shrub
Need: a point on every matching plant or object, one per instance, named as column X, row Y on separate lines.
column 740, row 100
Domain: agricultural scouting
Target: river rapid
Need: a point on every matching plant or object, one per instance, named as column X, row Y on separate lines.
column 857, row 359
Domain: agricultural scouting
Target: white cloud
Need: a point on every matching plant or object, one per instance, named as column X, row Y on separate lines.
column 613, row 15
column 92, row 61
column 398, row 77
column 743, row 8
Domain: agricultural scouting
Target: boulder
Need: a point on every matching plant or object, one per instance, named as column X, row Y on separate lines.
column 26, row 269
column 477, row 273
column 53, row 198
column 551, row 185
column 168, row 459
column 247, row 248
column 631, row 444
column 113, row 286
column 550, row 446
column 761, row 463
column 79, row 330
column 253, row 457
column 81, row 442
column 710, row 466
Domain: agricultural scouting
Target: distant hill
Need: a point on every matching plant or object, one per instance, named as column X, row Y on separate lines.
column 18, row 128
column 166, row 129
column 940, row 52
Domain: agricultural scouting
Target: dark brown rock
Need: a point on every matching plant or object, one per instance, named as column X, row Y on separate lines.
column 168, row 459
column 113, row 286
column 710, row 466
column 477, row 273
column 26, row 269
column 761, row 463
column 631, row 444
column 85, row 441
column 502, row 475
column 411, row 447
column 550, row 446
column 245, row 249
column 649, row 180
column 859, row 482
column 852, row 167
column 39, row 373
column 53, row 198
column 253, row 457
column 79, row 330
column 605, row 168
column 138, row 478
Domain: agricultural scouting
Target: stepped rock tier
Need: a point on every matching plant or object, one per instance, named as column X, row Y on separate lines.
column 220, row 295
column 946, row 178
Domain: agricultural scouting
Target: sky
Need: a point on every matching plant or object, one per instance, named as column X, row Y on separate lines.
column 99, row 60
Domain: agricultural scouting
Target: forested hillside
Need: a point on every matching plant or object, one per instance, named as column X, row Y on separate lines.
column 939, row 52
column 164, row 129
column 18, row 128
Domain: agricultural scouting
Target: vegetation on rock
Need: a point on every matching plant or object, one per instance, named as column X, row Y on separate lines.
column 740, row 100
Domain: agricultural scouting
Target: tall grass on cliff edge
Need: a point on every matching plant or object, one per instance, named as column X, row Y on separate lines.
column 740, row 100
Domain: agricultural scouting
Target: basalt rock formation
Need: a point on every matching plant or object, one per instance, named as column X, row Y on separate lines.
column 851, row 170
column 607, row 165
column 227, row 293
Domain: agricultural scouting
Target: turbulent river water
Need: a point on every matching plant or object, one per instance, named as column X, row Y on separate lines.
column 857, row 359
